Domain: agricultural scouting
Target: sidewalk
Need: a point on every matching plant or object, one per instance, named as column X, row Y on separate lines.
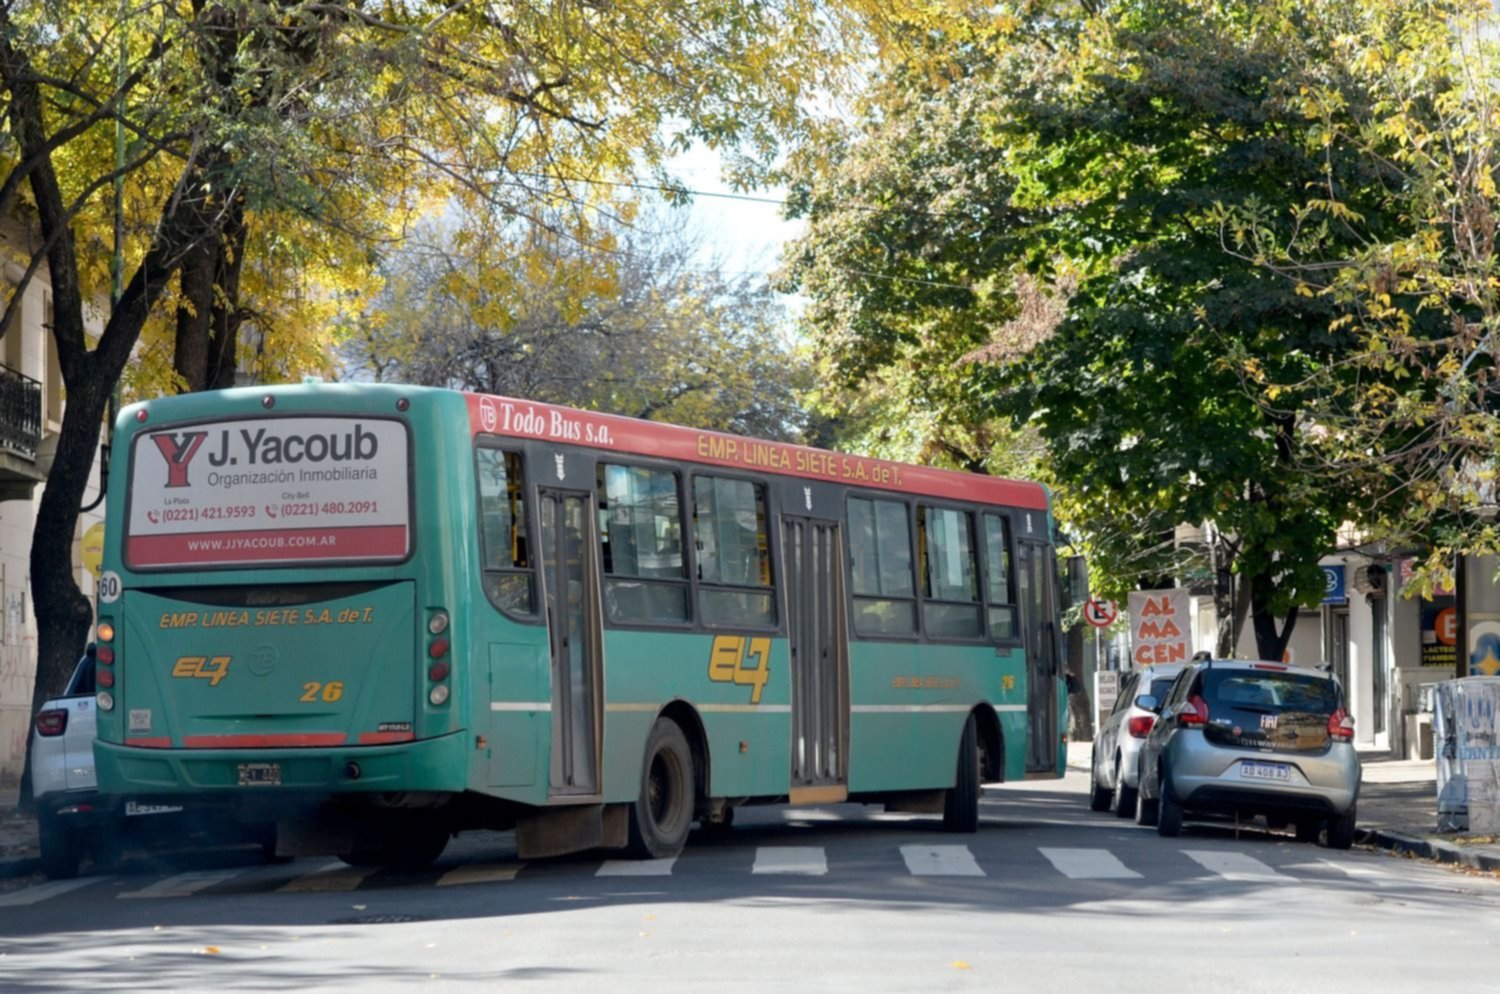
column 19, row 856
column 1397, row 812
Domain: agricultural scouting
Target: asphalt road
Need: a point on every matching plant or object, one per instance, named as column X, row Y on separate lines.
column 1045, row 897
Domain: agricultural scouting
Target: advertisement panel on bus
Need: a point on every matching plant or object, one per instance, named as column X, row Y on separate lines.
column 269, row 490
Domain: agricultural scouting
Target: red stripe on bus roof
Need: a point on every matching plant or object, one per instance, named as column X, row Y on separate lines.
column 262, row 741
column 610, row 432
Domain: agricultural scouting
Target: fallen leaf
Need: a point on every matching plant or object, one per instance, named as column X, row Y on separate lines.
column 959, row 964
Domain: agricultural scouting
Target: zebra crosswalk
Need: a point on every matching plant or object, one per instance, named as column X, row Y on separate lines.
column 1097, row 864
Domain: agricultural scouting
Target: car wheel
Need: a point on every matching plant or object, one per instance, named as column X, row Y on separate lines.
column 1124, row 799
column 1341, row 830
column 1169, row 813
column 1099, row 797
column 663, row 810
column 1308, row 829
column 1145, row 809
column 961, row 805
column 61, row 854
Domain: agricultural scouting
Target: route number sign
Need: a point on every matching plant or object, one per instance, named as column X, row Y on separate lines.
column 1100, row 613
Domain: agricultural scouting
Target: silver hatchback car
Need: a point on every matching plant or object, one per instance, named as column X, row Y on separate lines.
column 1252, row 738
column 1117, row 743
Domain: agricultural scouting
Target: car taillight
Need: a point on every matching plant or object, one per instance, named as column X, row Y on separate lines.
column 1341, row 725
column 50, row 723
column 1194, row 714
column 1140, row 726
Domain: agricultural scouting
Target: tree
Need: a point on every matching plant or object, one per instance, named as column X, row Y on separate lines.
column 1413, row 413
column 272, row 137
column 634, row 323
column 1082, row 153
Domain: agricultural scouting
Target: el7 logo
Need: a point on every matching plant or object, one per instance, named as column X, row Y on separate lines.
column 727, row 662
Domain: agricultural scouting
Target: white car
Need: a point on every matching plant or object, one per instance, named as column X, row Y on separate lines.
column 1117, row 743
column 74, row 820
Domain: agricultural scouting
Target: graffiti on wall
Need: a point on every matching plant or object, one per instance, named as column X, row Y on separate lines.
column 17, row 676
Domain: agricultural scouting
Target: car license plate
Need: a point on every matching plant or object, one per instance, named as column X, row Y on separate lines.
column 1265, row 771
column 133, row 808
column 260, row 774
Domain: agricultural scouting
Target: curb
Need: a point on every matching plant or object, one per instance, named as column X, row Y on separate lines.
column 1435, row 849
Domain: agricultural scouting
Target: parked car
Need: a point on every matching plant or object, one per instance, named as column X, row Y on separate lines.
column 1117, row 743
column 74, row 820
column 1251, row 739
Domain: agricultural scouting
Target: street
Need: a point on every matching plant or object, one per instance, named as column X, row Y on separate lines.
column 1046, row 896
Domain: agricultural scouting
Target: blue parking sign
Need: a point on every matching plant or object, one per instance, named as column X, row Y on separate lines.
column 1333, row 585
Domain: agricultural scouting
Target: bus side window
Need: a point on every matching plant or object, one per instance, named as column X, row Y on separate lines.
column 999, row 586
column 733, row 552
column 880, row 553
column 950, row 580
column 503, row 536
column 640, row 535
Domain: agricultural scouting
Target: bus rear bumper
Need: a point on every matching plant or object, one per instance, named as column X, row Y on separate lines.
column 437, row 765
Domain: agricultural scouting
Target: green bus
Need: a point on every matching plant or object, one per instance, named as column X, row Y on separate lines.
column 377, row 615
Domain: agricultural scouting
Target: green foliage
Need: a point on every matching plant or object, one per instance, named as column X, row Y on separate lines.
column 1092, row 153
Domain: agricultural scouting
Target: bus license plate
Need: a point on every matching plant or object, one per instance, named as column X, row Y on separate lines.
column 1265, row 771
column 260, row 774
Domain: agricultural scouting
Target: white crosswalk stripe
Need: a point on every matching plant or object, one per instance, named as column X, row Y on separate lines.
column 940, row 861
column 637, row 867
column 40, row 892
column 184, row 884
column 1088, row 864
column 1236, row 866
column 804, row 860
column 335, row 876
column 480, row 873
column 1075, row 863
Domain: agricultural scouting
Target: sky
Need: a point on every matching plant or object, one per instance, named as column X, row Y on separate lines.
column 747, row 235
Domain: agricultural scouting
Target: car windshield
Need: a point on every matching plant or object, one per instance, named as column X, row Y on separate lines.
column 1160, row 685
column 1271, row 691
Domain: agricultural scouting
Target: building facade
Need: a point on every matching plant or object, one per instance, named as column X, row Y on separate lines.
column 31, row 406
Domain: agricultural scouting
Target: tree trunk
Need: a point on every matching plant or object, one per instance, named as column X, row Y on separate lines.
column 224, row 329
column 194, row 312
column 1270, row 643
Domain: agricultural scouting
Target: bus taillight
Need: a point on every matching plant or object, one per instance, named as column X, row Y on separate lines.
column 437, row 650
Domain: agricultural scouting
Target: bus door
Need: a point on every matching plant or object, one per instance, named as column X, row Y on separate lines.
column 570, row 580
column 812, row 556
column 1037, row 589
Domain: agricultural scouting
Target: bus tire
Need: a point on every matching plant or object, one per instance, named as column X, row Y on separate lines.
column 61, row 854
column 663, row 812
column 961, row 803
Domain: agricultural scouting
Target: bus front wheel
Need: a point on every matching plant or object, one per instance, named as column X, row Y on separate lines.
column 961, row 805
column 663, row 813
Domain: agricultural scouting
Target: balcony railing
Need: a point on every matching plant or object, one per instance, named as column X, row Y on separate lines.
column 20, row 412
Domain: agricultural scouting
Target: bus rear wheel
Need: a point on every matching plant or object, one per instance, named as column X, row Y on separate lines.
column 961, row 804
column 663, row 813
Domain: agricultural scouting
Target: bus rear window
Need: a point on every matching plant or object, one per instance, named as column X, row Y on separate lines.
column 263, row 491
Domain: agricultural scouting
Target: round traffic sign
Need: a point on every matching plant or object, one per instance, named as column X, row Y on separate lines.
column 1100, row 613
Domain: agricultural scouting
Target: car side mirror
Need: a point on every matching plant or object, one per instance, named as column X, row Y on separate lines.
column 1146, row 702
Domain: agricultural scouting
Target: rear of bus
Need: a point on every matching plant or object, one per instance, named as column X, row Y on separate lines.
column 275, row 642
